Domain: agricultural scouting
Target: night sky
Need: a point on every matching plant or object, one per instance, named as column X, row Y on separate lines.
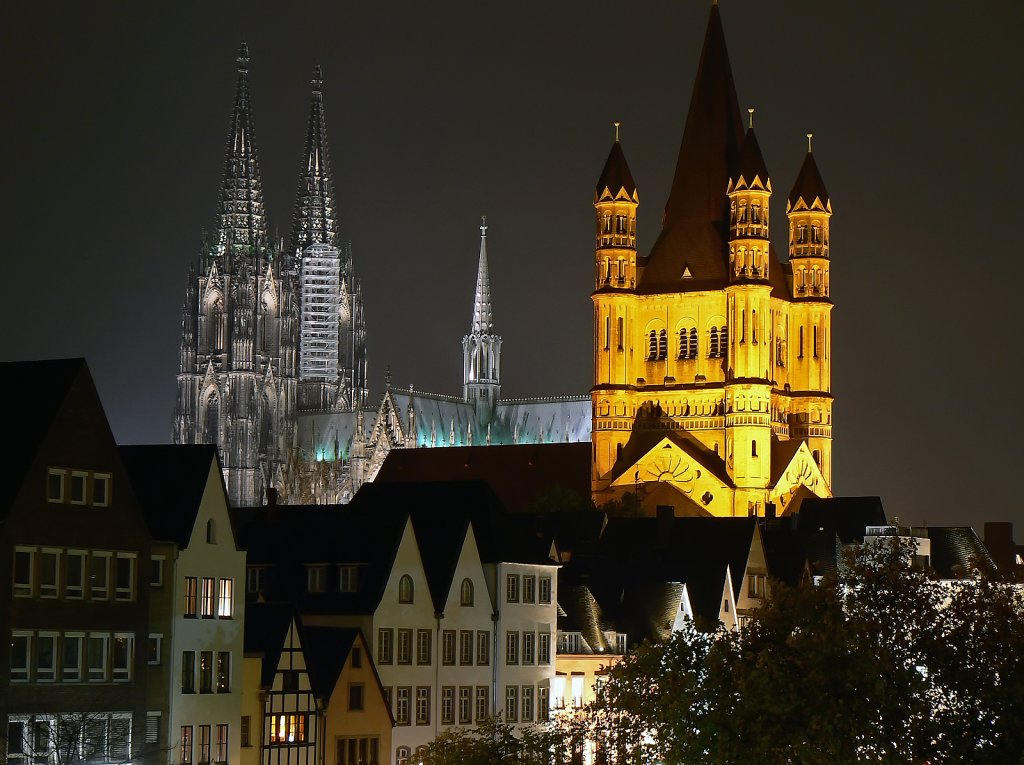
column 115, row 121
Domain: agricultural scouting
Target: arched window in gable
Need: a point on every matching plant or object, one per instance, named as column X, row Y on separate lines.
column 405, row 589
column 466, row 592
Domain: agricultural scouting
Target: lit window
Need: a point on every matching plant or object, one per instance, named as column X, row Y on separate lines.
column 405, row 589
column 225, row 599
column 186, row 745
column 220, row 751
column 209, row 597
column 55, row 485
column 191, row 597
column 288, row 729
column 223, row 671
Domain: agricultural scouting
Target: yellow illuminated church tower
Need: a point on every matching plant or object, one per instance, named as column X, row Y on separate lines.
column 712, row 358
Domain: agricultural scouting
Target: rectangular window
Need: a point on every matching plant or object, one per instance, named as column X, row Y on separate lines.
column 46, row 657
column 483, row 648
column 220, row 752
column 385, row 639
column 255, row 579
column 124, row 657
column 74, row 574
column 465, row 705
column 96, row 650
column 466, row 647
column 544, row 648
column 405, row 646
column 225, row 599
column 362, row 750
column 152, row 727
column 423, row 705
column 512, row 588
column 191, row 597
column 125, row 576
column 21, row 649
column 186, row 745
column 545, row 590
column 543, row 705
column 99, row 572
column 78, row 479
column 24, row 571
column 204, row 744
column 402, row 695
column 529, row 643
column 511, row 647
column 71, row 657
column 206, row 671
column 448, row 647
column 209, row 604
column 49, row 573
column 101, row 489
column 348, row 579
column 423, row 647
column 483, row 703
column 527, row 703
column 223, row 671
column 119, row 738
column 245, row 731
column 154, row 647
column 188, row 671
column 511, row 703
column 55, row 485
column 447, row 705
column 156, row 571
column 355, row 697
column 529, row 589
column 316, row 578
column 288, row 729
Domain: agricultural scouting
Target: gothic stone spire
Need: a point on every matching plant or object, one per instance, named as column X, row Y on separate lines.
column 315, row 220
column 241, row 221
column 482, row 318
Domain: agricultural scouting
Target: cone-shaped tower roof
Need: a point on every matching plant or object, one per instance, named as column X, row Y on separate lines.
column 616, row 175
column 809, row 185
column 693, row 235
column 750, row 164
column 241, row 218
column 315, row 219
column 482, row 317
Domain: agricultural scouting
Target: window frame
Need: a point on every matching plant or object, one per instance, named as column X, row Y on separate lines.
column 544, row 590
column 512, row 588
column 24, row 672
column 84, row 476
column 60, row 473
column 50, row 591
column 122, row 674
column 106, row 480
column 124, row 593
column 23, row 589
column 226, row 598
column 65, row 666
column 406, row 589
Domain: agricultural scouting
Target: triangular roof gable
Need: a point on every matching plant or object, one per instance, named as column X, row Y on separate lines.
column 290, row 658
column 469, row 557
column 674, row 461
column 353, row 638
column 407, row 546
column 800, row 470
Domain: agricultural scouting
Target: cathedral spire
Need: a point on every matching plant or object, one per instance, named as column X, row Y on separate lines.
column 241, row 221
column 482, row 317
column 315, row 220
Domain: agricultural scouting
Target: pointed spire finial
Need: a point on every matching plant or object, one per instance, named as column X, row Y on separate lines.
column 387, row 377
column 318, row 79
column 750, row 111
column 243, row 57
column 809, row 137
column 483, row 226
column 616, row 131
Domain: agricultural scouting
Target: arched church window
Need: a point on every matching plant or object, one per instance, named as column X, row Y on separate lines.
column 662, row 345
column 713, row 343
column 607, row 332
column 211, row 423
column 217, row 333
column 753, row 326
column 693, row 343
column 621, row 338
column 652, row 350
column 800, row 344
column 815, row 341
column 753, row 448
column 682, row 344
column 723, row 341
column 405, row 589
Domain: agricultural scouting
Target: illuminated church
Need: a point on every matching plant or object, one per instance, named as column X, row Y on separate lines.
column 712, row 357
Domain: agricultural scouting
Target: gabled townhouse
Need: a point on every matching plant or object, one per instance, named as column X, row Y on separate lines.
column 74, row 579
column 315, row 696
column 195, row 644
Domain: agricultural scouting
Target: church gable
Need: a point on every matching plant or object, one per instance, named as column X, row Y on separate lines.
column 798, row 477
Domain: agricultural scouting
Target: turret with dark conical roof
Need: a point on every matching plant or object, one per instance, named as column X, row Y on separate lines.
column 241, row 219
column 315, row 218
column 809, row 211
column 616, row 201
column 749, row 193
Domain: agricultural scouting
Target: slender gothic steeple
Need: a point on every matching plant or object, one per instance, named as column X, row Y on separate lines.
column 315, row 219
column 241, row 220
column 481, row 348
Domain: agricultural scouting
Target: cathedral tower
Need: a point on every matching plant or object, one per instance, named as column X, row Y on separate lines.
column 236, row 381
column 481, row 348
column 711, row 356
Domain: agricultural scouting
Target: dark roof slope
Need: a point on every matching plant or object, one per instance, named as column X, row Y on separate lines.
column 751, row 164
column 808, row 185
column 616, row 175
column 956, row 551
column 37, row 389
column 326, row 650
column 266, row 625
column 825, row 525
column 524, row 476
column 169, row 481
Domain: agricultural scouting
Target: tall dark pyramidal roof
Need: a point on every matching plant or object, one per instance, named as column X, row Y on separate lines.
column 694, row 232
column 315, row 219
column 616, row 174
column 241, row 218
column 750, row 163
column 808, row 185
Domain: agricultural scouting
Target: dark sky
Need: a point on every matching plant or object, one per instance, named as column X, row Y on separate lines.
column 115, row 117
